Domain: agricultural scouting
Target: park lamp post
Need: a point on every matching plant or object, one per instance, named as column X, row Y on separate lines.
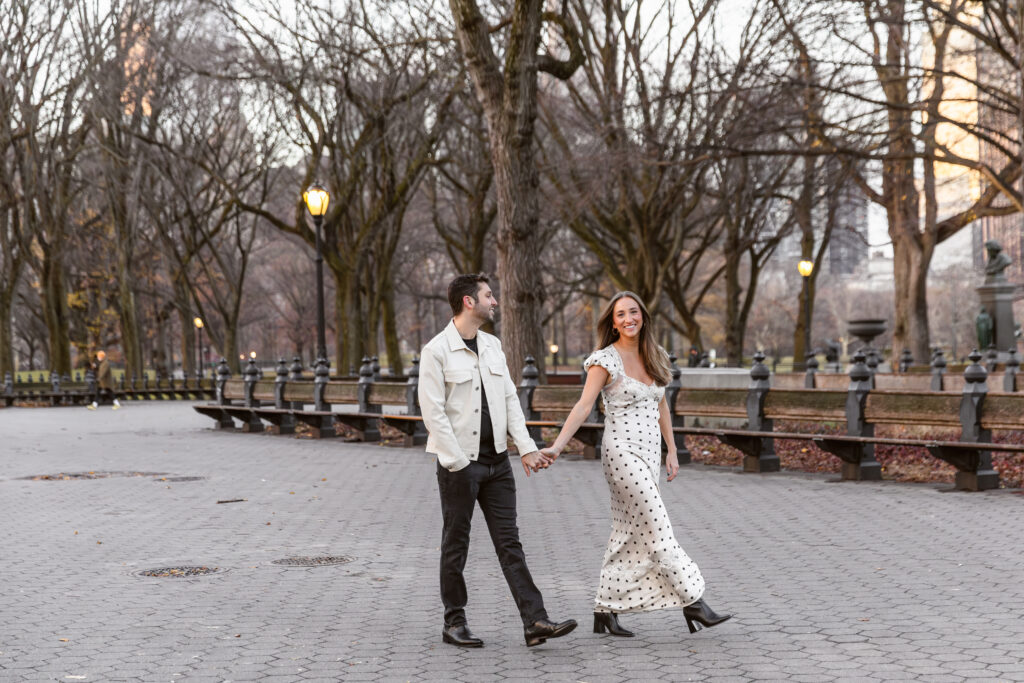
column 198, row 322
column 317, row 199
column 554, row 358
column 806, row 267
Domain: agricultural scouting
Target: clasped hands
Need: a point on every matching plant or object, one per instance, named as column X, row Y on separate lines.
column 539, row 460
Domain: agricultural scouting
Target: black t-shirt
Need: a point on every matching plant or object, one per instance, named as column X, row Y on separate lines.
column 488, row 454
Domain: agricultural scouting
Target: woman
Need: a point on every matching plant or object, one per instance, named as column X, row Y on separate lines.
column 644, row 567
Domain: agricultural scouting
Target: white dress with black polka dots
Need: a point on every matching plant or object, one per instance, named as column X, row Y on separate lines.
column 644, row 566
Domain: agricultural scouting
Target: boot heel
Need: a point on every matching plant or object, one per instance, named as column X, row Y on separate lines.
column 693, row 627
column 608, row 622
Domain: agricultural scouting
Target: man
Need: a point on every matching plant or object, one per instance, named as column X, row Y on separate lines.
column 470, row 406
column 104, row 381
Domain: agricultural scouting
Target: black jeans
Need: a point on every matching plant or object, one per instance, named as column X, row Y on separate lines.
column 494, row 487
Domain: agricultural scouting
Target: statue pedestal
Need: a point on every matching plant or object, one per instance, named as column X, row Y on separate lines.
column 997, row 298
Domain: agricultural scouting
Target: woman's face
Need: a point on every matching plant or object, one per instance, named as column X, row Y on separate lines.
column 627, row 318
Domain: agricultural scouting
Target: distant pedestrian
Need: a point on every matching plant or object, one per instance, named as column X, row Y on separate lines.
column 104, row 381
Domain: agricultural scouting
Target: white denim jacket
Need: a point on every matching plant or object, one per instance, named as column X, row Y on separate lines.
column 449, row 393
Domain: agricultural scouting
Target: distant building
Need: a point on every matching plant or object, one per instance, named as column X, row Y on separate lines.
column 848, row 248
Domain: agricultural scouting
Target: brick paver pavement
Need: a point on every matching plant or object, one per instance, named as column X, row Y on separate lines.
column 827, row 581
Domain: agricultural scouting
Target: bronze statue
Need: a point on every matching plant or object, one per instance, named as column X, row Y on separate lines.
column 984, row 327
column 997, row 262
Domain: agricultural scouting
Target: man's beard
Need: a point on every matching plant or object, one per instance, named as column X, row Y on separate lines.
column 484, row 313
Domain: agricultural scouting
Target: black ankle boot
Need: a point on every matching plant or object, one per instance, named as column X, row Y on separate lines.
column 703, row 615
column 608, row 622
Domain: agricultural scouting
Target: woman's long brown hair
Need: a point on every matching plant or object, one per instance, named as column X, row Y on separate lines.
column 653, row 357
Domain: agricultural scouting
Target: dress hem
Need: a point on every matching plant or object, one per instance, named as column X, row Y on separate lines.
column 607, row 610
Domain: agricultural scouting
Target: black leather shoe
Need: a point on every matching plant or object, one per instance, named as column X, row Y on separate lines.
column 539, row 631
column 460, row 635
column 609, row 622
column 702, row 614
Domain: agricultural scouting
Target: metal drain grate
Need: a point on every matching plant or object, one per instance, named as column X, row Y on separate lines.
column 66, row 476
column 177, row 572
column 316, row 561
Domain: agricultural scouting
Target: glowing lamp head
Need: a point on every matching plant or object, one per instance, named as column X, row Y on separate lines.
column 805, row 267
column 252, row 354
column 316, row 199
column 198, row 322
column 554, row 349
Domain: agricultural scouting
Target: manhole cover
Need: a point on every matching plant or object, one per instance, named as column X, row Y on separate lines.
column 66, row 476
column 180, row 479
column 317, row 561
column 177, row 572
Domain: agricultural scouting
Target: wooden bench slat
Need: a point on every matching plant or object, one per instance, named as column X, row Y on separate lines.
column 712, row 403
column 1003, row 411
column 813, row 405
column 387, row 393
column 342, row 392
column 913, row 408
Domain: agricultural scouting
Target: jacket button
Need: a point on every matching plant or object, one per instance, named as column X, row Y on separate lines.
column 474, row 433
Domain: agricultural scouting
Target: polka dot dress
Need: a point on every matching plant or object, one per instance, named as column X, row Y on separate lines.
column 644, row 566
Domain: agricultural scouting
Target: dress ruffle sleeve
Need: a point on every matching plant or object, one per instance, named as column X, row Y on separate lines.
column 606, row 360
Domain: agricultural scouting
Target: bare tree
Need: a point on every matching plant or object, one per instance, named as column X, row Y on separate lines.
column 366, row 107
column 508, row 95
column 47, row 55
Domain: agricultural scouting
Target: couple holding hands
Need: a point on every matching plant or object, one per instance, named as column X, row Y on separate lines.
column 470, row 407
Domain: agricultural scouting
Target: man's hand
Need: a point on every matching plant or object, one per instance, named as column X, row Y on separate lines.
column 534, row 461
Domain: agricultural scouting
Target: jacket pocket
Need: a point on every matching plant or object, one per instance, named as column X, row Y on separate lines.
column 457, row 376
column 497, row 370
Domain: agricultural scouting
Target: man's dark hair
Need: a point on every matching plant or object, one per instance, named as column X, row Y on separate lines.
column 463, row 286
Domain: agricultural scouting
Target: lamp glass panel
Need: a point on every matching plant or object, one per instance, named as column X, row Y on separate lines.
column 317, row 199
column 805, row 268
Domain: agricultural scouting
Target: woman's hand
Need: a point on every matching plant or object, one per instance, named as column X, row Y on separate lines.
column 551, row 453
column 672, row 465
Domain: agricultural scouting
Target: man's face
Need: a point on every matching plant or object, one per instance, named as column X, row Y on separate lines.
column 484, row 306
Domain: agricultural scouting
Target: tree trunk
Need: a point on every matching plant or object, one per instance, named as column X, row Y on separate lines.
column 522, row 293
column 900, row 195
column 391, row 343
column 55, row 311
column 910, row 274
column 353, row 313
column 131, row 342
column 341, row 339
column 733, row 324
column 188, row 342
column 231, row 348
column 6, row 336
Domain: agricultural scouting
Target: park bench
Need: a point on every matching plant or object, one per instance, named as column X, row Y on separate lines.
column 65, row 392
column 974, row 411
column 752, row 412
column 289, row 394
